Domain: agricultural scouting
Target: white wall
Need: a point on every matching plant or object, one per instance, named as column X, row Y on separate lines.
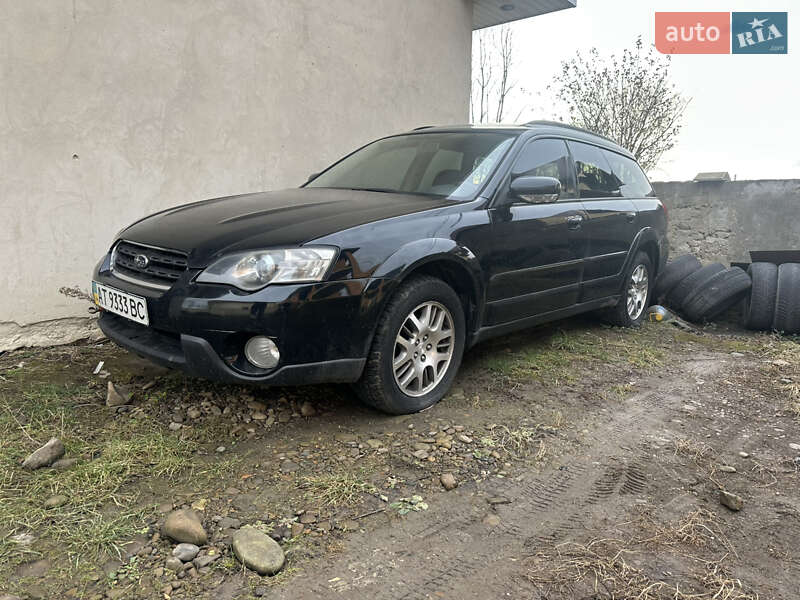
column 111, row 110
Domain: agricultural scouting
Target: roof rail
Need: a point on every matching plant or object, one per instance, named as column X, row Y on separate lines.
column 423, row 127
column 565, row 125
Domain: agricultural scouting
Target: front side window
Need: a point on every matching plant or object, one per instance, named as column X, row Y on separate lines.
column 546, row 158
column 595, row 177
column 454, row 165
column 634, row 182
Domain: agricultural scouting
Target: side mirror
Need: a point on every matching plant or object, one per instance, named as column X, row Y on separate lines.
column 313, row 176
column 535, row 190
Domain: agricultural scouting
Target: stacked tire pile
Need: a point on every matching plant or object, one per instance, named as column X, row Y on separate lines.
column 769, row 294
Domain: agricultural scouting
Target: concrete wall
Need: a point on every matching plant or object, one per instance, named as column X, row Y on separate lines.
column 112, row 110
column 723, row 221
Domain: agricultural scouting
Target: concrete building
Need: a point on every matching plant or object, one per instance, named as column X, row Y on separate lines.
column 112, row 110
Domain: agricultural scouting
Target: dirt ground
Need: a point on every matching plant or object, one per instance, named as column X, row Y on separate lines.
column 589, row 463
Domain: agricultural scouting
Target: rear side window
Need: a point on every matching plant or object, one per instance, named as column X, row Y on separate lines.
column 546, row 158
column 634, row 182
column 595, row 177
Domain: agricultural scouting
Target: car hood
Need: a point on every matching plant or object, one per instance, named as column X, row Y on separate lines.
column 207, row 229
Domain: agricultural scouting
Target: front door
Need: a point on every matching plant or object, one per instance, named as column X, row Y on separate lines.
column 538, row 249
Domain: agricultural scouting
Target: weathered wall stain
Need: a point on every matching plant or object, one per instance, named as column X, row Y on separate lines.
column 114, row 110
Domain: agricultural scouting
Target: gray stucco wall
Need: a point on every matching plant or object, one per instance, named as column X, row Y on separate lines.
column 112, row 110
column 723, row 221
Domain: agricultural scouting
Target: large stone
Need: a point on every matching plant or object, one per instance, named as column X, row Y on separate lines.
column 115, row 397
column 257, row 551
column 185, row 526
column 45, row 456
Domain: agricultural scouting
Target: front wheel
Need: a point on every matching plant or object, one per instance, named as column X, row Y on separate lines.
column 633, row 303
column 417, row 348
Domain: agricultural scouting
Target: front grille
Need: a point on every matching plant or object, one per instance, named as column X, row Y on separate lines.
column 161, row 269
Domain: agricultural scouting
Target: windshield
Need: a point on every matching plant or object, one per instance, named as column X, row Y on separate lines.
column 455, row 165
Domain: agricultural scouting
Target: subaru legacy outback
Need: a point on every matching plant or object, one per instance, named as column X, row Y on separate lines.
column 382, row 269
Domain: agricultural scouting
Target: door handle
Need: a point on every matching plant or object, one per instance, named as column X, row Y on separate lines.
column 574, row 221
column 630, row 217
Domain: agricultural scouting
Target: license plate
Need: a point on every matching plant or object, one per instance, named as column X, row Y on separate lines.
column 122, row 303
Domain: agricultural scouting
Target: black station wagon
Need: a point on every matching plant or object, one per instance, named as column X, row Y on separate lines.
column 382, row 269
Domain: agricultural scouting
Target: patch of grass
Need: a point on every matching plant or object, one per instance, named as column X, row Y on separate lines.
column 618, row 391
column 336, row 489
column 519, row 442
column 611, row 567
column 552, row 360
column 113, row 453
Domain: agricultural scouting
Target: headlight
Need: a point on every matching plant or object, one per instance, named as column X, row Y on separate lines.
column 253, row 270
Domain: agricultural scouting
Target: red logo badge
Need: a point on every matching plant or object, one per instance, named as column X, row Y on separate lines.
column 693, row 32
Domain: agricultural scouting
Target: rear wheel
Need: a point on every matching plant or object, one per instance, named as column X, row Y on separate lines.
column 630, row 310
column 417, row 348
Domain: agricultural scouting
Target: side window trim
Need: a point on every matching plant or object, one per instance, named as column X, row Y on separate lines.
column 638, row 166
column 572, row 179
column 601, row 149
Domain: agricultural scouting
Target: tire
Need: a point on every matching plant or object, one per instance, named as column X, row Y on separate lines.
column 675, row 272
column 758, row 308
column 717, row 295
column 787, row 299
column 621, row 315
column 682, row 292
column 378, row 386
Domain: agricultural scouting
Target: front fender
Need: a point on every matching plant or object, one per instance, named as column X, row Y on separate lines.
column 415, row 255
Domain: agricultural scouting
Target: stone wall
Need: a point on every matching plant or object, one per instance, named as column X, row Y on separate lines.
column 723, row 221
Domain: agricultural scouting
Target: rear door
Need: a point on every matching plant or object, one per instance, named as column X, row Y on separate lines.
column 537, row 249
column 611, row 225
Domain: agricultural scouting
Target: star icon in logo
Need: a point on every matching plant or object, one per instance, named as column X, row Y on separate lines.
column 757, row 23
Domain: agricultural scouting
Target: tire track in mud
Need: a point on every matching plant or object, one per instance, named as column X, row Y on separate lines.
column 453, row 550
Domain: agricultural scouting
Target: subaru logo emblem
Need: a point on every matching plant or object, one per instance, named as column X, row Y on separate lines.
column 141, row 261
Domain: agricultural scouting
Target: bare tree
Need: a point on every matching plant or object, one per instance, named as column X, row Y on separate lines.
column 627, row 97
column 492, row 66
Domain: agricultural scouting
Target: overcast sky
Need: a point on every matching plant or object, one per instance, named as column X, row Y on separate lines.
column 744, row 116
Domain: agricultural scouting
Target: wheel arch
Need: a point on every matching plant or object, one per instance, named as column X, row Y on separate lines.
column 444, row 259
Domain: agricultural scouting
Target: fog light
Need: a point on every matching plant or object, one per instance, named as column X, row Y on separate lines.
column 262, row 352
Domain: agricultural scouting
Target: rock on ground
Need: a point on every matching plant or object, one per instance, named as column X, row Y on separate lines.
column 45, row 456
column 185, row 526
column 185, row 552
column 114, row 397
column 257, row 551
column 56, row 501
column 173, row 563
column 730, row 500
column 448, row 481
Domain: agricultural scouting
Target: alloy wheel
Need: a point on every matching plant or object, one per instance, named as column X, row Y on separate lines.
column 638, row 286
column 423, row 349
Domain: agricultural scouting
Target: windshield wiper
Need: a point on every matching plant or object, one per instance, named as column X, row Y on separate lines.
column 381, row 190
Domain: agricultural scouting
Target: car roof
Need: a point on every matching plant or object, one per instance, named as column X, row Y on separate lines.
column 538, row 127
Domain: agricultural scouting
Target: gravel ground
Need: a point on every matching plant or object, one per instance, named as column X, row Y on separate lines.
column 569, row 461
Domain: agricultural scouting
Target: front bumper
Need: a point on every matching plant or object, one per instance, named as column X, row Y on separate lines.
column 195, row 356
column 323, row 330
